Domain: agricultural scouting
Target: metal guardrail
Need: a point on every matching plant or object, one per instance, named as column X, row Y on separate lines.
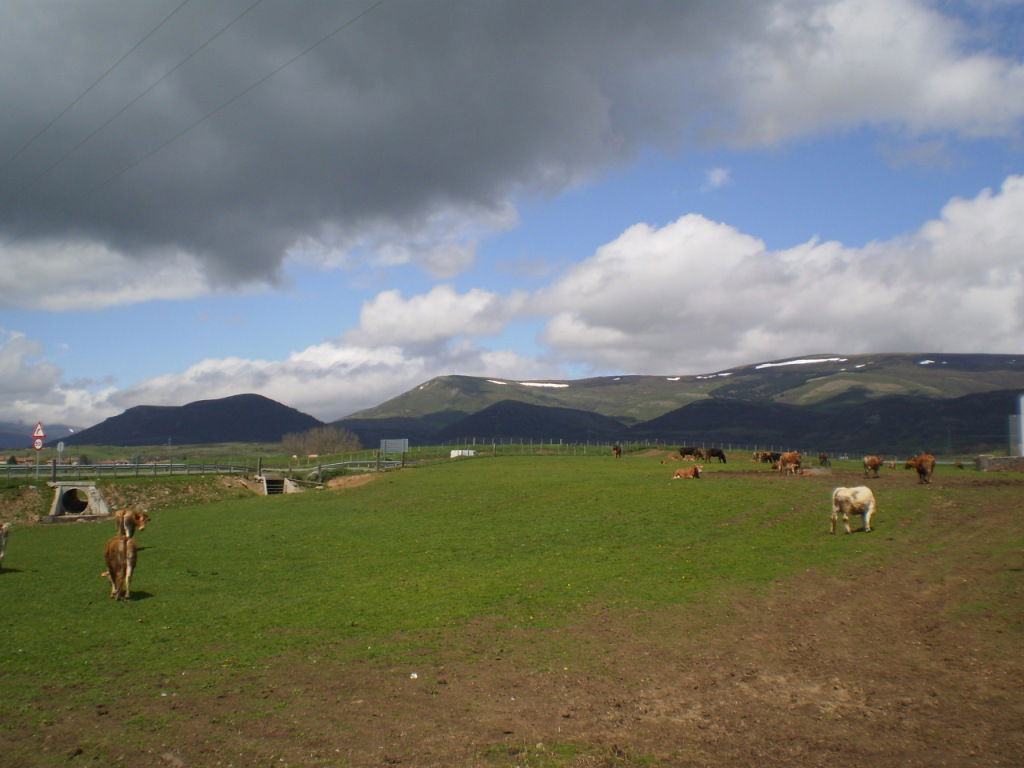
column 96, row 471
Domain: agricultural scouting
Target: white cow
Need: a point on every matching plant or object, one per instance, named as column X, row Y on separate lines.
column 5, row 528
column 858, row 500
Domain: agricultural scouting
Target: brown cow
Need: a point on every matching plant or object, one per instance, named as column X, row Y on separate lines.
column 925, row 466
column 693, row 473
column 824, row 460
column 617, row 451
column 5, row 529
column 787, row 458
column 873, row 464
column 715, row 453
column 686, row 450
column 128, row 522
column 121, row 557
column 670, row 457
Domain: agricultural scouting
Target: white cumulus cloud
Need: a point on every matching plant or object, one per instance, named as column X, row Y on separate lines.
column 698, row 295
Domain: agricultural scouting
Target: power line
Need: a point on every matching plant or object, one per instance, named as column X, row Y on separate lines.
column 334, row 32
column 135, row 100
column 238, row 95
column 88, row 90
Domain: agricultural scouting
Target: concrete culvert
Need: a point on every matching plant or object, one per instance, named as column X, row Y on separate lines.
column 73, row 501
column 76, row 500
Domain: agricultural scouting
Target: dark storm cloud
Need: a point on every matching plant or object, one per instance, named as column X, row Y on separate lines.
column 413, row 109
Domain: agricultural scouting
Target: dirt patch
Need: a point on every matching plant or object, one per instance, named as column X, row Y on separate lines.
column 25, row 503
column 350, row 481
column 912, row 662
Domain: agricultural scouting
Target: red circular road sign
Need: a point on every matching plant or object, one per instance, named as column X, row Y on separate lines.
column 38, row 436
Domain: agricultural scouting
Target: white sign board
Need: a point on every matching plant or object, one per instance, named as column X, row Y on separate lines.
column 395, row 446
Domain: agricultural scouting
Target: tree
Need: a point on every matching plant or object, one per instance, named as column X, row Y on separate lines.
column 320, row 440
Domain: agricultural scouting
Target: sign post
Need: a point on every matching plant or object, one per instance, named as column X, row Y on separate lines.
column 38, row 435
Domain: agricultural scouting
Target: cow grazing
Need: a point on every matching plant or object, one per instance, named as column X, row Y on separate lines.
column 858, row 500
column 617, row 451
column 873, row 464
column 925, row 466
column 5, row 528
column 120, row 554
column 128, row 522
column 693, row 473
column 789, row 457
column 691, row 451
column 824, row 460
column 715, row 453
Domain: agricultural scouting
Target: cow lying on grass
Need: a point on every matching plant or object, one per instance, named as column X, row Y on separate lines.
column 121, row 557
column 692, row 473
column 128, row 522
column 858, row 500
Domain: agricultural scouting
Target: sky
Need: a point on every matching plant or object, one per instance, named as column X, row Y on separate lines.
column 330, row 202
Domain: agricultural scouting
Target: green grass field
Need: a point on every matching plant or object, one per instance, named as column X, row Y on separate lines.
column 391, row 569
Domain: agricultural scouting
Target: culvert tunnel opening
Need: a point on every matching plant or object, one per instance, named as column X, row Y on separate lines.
column 73, row 501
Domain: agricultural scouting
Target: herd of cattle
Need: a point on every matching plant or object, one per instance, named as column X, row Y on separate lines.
column 858, row 500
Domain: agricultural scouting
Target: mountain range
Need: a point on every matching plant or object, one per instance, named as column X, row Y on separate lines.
column 886, row 402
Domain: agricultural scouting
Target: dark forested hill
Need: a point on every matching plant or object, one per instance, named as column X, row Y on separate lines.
column 240, row 418
column 895, row 424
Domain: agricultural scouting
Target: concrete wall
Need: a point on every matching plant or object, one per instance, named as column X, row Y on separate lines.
column 999, row 463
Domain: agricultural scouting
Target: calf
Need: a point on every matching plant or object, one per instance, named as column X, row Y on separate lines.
column 617, row 451
column 925, row 466
column 5, row 528
column 693, row 473
column 858, row 500
column 873, row 464
column 121, row 556
column 129, row 522
column 671, row 457
column 824, row 460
